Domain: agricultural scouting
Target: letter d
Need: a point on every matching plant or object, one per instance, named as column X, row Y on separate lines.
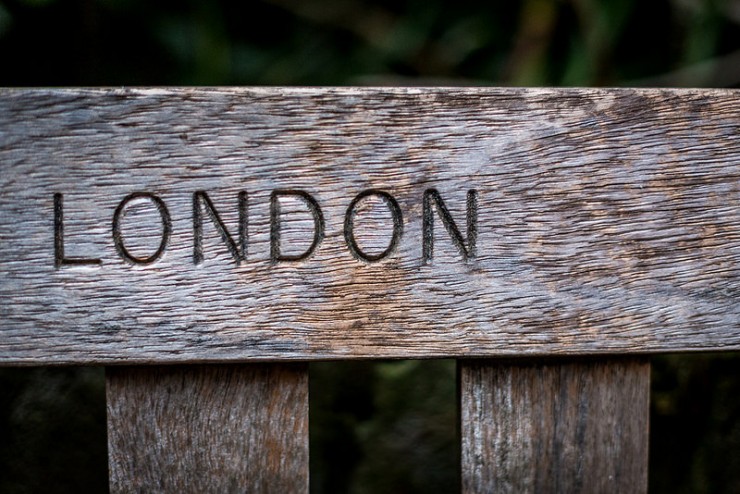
column 318, row 223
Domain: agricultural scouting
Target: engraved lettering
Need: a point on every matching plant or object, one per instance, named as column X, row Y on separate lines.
column 121, row 212
column 292, row 201
column 59, row 258
column 349, row 219
column 318, row 220
column 468, row 252
column 201, row 198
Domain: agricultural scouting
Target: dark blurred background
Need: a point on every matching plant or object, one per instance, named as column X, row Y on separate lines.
column 385, row 427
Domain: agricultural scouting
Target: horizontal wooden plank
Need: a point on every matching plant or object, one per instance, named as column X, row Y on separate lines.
column 194, row 225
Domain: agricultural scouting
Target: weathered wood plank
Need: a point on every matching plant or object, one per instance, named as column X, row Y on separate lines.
column 208, row 428
column 554, row 426
column 205, row 225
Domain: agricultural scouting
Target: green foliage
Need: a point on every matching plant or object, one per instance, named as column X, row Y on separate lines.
column 695, row 424
column 384, row 427
column 336, row 42
column 52, row 431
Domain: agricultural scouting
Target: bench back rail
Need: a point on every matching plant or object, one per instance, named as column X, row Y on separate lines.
column 548, row 239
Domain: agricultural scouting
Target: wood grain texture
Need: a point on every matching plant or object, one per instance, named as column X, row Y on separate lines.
column 554, row 426
column 607, row 221
column 209, row 428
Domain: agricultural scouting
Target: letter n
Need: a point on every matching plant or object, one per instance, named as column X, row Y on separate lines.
column 201, row 202
column 432, row 197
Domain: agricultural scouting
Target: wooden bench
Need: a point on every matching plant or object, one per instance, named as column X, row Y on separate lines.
column 205, row 244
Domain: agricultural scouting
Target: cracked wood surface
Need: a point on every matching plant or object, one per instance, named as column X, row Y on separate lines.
column 558, row 425
column 172, row 225
column 208, row 428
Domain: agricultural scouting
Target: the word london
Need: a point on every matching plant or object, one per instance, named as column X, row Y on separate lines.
column 237, row 242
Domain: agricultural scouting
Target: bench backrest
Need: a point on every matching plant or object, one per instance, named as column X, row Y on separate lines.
column 178, row 225
column 243, row 226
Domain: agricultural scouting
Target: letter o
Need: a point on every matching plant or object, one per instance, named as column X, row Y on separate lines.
column 349, row 223
column 166, row 228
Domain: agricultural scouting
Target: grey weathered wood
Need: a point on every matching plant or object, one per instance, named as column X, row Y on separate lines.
column 554, row 426
column 209, row 428
column 608, row 221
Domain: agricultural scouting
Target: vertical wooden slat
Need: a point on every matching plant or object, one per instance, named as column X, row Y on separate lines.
column 208, row 428
column 554, row 425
